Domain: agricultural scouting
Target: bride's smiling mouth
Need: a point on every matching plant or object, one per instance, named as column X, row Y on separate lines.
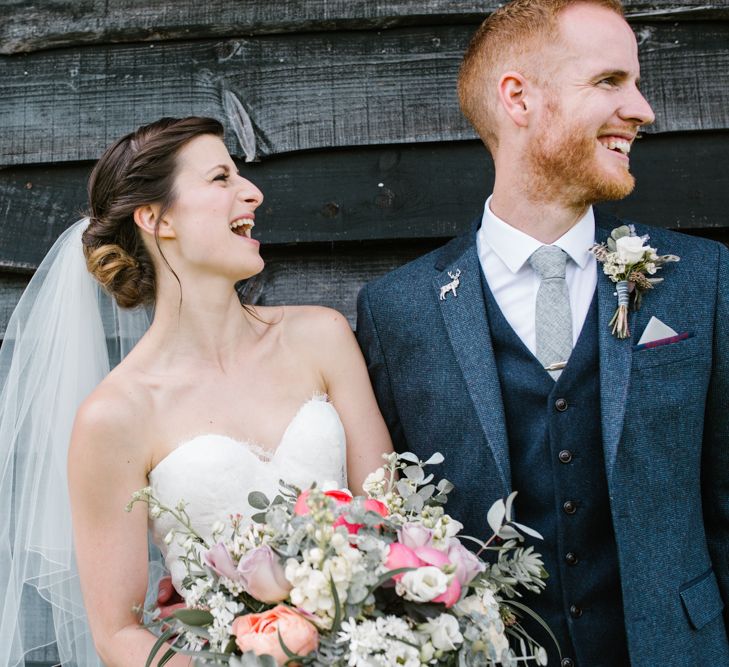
column 242, row 226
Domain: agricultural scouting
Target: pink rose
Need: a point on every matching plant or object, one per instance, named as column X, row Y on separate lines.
column 302, row 507
column 371, row 505
column 222, row 564
column 398, row 555
column 263, row 576
column 432, row 556
column 452, row 594
column 414, row 535
column 259, row 633
column 467, row 563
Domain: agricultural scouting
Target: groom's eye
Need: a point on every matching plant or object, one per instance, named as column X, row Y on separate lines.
column 221, row 177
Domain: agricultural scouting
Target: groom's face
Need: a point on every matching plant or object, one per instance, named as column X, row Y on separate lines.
column 591, row 108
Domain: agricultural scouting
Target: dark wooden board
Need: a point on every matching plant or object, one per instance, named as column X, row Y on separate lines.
column 323, row 274
column 395, row 192
column 306, row 91
column 30, row 25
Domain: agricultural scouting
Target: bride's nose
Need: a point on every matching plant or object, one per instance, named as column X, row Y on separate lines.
column 249, row 193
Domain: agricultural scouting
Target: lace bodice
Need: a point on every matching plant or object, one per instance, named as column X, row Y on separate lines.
column 214, row 474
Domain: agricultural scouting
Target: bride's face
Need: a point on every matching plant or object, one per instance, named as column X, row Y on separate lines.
column 213, row 211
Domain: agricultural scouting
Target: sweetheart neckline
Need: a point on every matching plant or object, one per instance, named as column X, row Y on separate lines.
column 249, row 445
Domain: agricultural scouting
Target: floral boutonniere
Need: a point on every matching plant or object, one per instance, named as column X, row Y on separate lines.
column 628, row 260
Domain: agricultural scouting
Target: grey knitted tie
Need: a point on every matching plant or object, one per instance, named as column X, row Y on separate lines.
column 553, row 316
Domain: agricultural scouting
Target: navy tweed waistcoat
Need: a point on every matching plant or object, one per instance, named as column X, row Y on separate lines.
column 558, row 468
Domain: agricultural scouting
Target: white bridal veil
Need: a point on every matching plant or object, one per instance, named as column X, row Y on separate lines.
column 62, row 339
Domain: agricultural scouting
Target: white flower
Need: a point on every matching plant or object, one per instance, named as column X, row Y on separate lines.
column 374, row 484
column 169, row 537
column 630, row 249
column 443, row 632
column 384, row 642
column 427, row 651
column 155, row 511
column 423, row 584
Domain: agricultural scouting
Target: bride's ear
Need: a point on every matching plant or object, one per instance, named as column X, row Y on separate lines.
column 146, row 217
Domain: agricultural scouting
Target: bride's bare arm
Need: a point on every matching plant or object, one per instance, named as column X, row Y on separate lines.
column 106, row 465
column 349, row 388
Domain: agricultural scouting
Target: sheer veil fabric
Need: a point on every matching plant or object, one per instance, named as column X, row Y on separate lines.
column 61, row 341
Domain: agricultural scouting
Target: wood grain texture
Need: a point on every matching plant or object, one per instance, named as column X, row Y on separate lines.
column 302, row 92
column 322, row 274
column 395, row 192
column 30, row 25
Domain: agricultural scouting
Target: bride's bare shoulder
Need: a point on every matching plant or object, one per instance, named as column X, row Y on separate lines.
column 115, row 413
column 314, row 320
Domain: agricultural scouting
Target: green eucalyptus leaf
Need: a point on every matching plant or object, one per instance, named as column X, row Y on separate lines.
column 436, row 459
column 195, row 617
column 259, row 517
column 620, row 232
column 258, row 500
column 414, row 473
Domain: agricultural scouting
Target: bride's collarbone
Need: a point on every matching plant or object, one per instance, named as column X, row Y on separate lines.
column 262, row 426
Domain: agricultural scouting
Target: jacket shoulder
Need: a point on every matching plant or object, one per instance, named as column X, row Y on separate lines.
column 420, row 271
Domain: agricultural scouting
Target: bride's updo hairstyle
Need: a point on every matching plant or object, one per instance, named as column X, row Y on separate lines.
column 138, row 169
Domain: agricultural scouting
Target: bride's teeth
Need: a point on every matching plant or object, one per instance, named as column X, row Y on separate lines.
column 248, row 224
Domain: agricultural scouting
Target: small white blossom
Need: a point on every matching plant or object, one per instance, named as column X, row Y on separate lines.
column 422, row 584
column 443, row 632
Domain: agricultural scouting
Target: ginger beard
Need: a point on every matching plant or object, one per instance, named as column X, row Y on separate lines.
column 564, row 162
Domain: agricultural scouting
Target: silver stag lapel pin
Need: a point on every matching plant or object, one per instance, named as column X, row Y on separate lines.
column 452, row 285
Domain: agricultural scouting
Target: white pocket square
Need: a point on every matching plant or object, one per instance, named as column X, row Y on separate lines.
column 656, row 330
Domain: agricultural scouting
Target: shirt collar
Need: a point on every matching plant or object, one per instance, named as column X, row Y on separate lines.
column 513, row 247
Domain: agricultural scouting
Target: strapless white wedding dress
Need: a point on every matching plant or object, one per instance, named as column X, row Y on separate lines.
column 214, row 474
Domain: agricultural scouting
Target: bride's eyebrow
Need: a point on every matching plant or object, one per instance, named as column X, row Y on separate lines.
column 218, row 166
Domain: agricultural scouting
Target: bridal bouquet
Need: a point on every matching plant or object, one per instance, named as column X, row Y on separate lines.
column 319, row 577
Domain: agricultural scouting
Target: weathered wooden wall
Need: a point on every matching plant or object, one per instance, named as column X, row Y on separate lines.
column 343, row 111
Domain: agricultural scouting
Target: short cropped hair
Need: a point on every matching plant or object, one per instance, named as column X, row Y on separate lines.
column 511, row 38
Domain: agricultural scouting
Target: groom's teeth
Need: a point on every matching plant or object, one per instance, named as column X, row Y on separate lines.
column 619, row 144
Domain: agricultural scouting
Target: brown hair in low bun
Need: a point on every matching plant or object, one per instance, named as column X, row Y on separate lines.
column 137, row 169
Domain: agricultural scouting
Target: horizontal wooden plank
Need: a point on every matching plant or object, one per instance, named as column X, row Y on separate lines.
column 396, row 192
column 309, row 91
column 322, row 274
column 31, row 25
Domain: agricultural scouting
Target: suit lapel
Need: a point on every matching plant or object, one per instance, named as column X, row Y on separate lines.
column 615, row 358
column 468, row 330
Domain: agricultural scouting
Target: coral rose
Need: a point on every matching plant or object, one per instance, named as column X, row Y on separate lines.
column 260, row 633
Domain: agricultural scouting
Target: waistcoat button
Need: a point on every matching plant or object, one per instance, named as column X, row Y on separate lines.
column 575, row 611
column 567, row 662
column 571, row 558
column 560, row 404
column 565, row 456
column 570, row 507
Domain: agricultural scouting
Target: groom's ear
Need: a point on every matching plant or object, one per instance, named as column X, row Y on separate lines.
column 146, row 218
column 513, row 89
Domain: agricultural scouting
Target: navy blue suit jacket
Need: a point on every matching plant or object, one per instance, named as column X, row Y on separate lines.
column 664, row 417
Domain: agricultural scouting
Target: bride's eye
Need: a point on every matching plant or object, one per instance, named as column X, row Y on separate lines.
column 222, row 177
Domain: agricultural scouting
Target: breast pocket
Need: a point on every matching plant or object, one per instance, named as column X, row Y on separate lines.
column 701, row 599
column 667, row 354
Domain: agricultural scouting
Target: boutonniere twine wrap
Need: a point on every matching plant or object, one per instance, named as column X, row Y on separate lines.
column 628, row 260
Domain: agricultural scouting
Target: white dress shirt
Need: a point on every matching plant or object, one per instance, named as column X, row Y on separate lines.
column 504, row 251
